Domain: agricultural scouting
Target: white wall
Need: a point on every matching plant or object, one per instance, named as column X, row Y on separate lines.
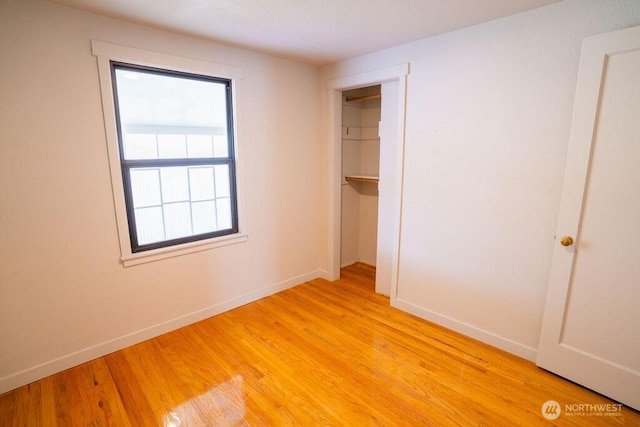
column 488, row 116
column 64, row 296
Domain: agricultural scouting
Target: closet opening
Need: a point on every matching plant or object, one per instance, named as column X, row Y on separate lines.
column 376, row 151
column 360, row 172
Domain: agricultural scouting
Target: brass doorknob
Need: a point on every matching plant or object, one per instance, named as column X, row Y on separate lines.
column 566, row 241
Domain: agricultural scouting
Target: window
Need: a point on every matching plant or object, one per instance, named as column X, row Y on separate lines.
column 175, row 135
column 170, row 132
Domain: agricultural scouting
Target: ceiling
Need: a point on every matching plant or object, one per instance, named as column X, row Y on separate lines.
column 312, row 31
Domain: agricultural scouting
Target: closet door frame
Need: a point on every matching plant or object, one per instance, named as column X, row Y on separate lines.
column 335, row 87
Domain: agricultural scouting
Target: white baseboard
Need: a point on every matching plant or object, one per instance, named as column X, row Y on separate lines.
column 70, row 360
column 348, row 263
column 324, row 274
column 486, row 337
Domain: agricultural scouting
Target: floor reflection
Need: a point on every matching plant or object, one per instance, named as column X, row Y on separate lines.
column 222, row 405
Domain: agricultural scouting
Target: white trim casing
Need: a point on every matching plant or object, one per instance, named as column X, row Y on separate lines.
column 106, row 52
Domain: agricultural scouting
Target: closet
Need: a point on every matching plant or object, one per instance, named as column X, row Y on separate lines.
column 360, row 171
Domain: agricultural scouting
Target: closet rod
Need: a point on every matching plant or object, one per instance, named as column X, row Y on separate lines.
column 362, row 98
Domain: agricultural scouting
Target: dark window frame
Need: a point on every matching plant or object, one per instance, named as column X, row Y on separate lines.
column 128, row 165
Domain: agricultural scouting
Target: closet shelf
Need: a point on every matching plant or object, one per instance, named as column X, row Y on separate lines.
column 362, row 178
column 362, row 98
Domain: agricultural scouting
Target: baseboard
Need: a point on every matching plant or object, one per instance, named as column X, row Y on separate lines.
column 70, row 360
column 348, row 263
column 324, row 274
column 486, row 337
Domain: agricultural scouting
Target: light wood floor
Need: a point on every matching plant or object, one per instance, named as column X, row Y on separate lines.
column 318, row 354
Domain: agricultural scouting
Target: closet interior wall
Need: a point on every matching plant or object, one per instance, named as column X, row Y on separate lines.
column 360, row 171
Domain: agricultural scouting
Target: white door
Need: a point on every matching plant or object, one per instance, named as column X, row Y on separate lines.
column 591, row 327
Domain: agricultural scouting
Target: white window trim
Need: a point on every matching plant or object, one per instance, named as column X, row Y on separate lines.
column 106, row 52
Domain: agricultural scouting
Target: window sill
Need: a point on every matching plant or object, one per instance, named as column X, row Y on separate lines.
column 187, row 248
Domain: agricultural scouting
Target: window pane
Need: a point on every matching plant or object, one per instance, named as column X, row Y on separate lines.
column 224, row 213
column 222, row 181
column 140, row 146
column 175, row 184
column 199, row 146
column 172, row 146
column 220, row 146
column 149, row 225
column 149, row 98
column 201, row 183
column 177, row 220
column 204, row 217
column 145, row 186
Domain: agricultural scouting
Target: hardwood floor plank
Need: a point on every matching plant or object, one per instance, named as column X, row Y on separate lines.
column 48, row 402
column 28, row 404
column 318, row 354
column 8, row 408
column 229, row 361
column 131, row 391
